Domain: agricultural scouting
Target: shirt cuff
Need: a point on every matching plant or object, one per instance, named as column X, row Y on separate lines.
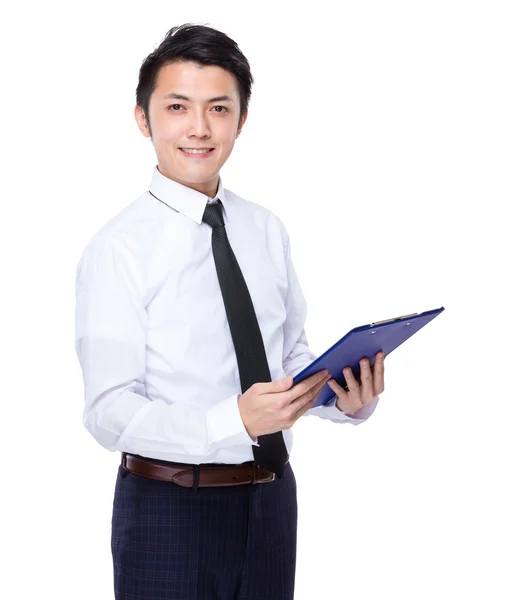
column 225, row 426
column 357, row 417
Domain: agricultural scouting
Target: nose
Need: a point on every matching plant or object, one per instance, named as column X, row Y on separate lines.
column 199, row 126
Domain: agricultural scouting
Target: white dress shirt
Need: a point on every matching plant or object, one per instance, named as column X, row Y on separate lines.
column 151, row 334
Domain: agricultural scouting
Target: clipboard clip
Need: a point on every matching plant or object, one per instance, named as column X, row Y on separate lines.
column 394, row 319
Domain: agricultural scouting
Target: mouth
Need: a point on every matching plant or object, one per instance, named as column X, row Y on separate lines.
column 197, row 152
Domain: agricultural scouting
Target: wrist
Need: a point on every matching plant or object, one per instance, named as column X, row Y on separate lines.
column 341, row 410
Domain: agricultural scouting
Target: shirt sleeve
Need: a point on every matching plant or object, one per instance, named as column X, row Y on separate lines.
column 110, row 339
column 296, row 352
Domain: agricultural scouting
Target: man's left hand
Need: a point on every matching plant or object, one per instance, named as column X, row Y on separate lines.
column 357, row 396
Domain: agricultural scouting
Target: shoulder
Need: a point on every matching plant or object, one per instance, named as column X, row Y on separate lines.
column 120, row 241
column 259, row 214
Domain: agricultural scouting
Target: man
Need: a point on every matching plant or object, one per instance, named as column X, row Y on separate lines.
column 189, row 329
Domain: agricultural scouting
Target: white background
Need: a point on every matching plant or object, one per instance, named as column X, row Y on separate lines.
column 376, row 132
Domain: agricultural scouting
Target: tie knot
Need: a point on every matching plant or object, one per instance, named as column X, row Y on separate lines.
column 213, row 214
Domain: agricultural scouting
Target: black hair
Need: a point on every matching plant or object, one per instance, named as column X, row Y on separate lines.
column 199, row 44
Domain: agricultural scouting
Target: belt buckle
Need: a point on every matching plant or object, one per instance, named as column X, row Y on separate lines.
column 256, row 475
column 272, row 477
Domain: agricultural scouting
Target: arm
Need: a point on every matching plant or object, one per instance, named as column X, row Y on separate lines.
column 297, row 354
column 110, row 339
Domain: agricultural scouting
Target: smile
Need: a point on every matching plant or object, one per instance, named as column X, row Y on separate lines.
column 197, row 152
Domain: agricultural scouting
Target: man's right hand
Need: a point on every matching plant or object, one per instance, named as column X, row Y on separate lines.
column 277, row 405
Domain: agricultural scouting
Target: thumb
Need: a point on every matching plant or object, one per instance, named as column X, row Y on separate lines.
column 279, row 385
column 284, row 384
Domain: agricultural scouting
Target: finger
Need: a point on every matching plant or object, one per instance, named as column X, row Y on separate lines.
column 281, row 385
column 378, row 373
column 367, row 381
column 309, row 400
column 309, row 396
column 339, row 390
column 314, row 392
column 307, row 384
column 352, row 384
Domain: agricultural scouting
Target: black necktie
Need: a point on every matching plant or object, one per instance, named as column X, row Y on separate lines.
column 251, row 357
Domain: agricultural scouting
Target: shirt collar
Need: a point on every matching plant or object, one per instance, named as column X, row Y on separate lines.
column 184, row 199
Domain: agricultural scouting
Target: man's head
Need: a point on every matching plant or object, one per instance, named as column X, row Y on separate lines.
column 193, row 92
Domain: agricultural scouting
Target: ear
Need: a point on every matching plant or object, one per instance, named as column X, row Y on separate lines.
column 241, row 124
column 141, row 121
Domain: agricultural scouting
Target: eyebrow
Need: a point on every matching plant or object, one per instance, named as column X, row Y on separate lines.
column 181, row 97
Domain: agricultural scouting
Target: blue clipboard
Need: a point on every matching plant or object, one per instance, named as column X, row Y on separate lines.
column 364, row 342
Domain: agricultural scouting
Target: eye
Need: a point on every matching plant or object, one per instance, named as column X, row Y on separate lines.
column 180, row 106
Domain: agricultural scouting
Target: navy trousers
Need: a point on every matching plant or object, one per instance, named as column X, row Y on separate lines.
column 213, row 543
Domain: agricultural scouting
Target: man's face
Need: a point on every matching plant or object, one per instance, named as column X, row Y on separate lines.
column 195, row 122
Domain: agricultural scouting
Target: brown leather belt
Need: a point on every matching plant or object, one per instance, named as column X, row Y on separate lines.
column 209, row 475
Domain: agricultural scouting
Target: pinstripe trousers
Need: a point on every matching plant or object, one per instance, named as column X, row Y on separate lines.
column 213, row 543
